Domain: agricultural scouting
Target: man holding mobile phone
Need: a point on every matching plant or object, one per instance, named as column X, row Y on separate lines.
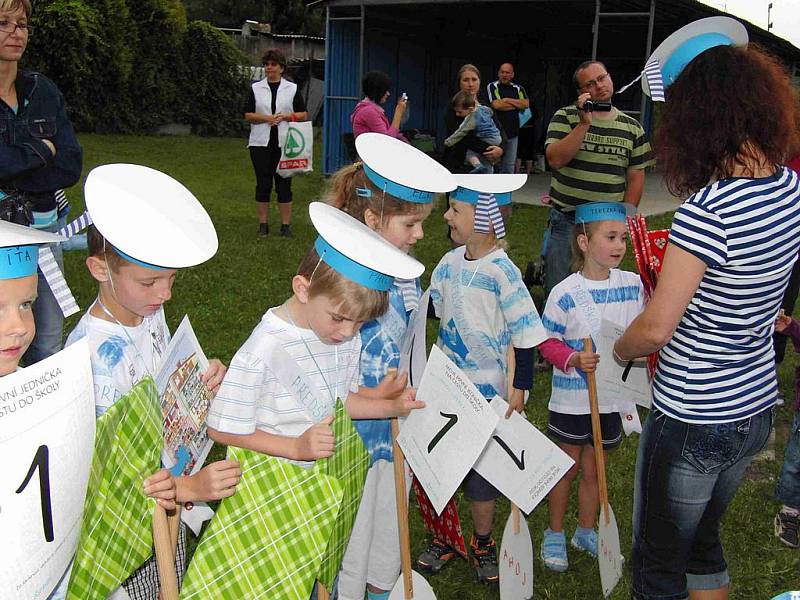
column 597, row 154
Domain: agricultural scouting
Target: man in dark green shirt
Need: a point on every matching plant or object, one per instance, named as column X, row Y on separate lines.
column 596, row 156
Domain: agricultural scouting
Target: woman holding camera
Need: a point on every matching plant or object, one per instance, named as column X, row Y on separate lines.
column 39, row 155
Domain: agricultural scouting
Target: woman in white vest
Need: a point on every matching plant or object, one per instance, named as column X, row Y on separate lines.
column 273, row 103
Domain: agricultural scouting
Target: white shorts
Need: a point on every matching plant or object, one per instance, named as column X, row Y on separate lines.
column 373, row 552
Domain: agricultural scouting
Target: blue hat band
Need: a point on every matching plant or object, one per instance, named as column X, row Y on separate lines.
column 600, row 211
column 463, row 194
column 398, row 190
column 137, row 262
column 18, row 261
column 688, row 51
column 349, row 268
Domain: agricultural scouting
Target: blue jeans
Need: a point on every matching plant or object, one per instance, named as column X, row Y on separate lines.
column 686, row 475
column 46, row 313
column 509, row 158
column 788, row 491
column 558, row 253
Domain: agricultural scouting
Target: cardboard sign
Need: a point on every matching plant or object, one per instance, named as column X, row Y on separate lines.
column 516, row 560
column 422, row 589
column 116, row 534
column 47, row 430
column 519, row 460
column 617, row 380
column 271, row 535
column 442, row 441
column 609, row 554
column 413, row 354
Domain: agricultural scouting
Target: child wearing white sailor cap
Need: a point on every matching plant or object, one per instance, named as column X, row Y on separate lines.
column 146, row 226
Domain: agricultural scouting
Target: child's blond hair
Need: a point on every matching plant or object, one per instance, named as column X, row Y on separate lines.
column 356, row 301
column 100, row 248
column 578, row 258
column 343, row 193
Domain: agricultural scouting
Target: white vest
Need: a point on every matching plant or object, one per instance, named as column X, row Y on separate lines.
column 260, row 132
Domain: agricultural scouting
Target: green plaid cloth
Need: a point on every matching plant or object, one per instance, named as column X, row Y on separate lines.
column 269, row 538
column 349, row 465
column 116, row 533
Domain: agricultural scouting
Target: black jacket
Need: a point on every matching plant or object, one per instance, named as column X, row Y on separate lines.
column 26, row 164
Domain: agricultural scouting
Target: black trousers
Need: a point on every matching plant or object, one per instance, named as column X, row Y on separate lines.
column 265, row 163
column 789, row 300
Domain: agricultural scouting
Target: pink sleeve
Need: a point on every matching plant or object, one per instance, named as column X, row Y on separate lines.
column 367, row 120
column 557, row 353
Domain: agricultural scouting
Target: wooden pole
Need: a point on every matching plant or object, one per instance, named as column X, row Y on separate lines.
column 322, row 592
column 174, row 521
column 401, row 495
column 597, row 435
column 511, row 361
column 165, row 556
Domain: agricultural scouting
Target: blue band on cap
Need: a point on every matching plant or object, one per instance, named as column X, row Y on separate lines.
column 398, row 190
column 351, row 269
column 688, row 51
column 600, row 211
column 18, row 261
column 137, row 262
column 463, row 194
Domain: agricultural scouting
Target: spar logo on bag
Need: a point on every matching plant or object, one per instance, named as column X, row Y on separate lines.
column 296, row 151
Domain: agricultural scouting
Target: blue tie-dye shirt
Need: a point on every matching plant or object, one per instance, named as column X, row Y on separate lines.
column 380, row 351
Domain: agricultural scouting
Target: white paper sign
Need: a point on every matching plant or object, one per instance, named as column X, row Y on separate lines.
column 442, row 441
column 609, row 555
column 47, row 428
column 516, row 561
column 421, row 589
column 413, row 354
column 519, row 460
column 614, row 379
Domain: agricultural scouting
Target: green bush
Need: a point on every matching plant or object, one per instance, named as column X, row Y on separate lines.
column 214, row 83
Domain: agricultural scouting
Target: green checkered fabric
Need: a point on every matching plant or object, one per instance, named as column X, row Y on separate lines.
column 116, row 533
column 269, row 538
column 349, row 465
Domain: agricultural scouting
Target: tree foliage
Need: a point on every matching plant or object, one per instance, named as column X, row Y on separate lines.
column 134, row 65
column 285, row 16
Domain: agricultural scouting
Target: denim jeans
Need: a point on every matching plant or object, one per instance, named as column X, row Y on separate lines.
column 509, row 158
column 558, row 253
column 46, row 313
column 788, row 491
column 686, row 475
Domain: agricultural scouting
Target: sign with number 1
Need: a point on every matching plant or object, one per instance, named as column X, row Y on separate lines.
column 46, row 436
column 442, row 440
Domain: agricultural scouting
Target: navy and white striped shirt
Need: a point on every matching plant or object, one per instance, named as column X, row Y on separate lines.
column 719, row 365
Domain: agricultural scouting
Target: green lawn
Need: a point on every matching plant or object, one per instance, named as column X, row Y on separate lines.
column 226, row 297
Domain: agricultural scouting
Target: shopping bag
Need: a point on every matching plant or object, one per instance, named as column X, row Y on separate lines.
column 297, row 150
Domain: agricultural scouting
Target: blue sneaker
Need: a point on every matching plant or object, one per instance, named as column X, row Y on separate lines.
column 554, row 550
column 586, row 540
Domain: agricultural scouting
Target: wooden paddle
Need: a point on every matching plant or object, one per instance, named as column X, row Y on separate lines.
column 511, row 359
column 597, row 436
column 401, row 495
column 165, row 548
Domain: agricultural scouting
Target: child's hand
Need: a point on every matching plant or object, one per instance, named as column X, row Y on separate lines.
column 213, row 482
column 585, row 361
column 214, row 374
column 317, row 441
column 392, row 385
column 782, row 322
column 407, row 402
column 161, row 486
column 516, row 402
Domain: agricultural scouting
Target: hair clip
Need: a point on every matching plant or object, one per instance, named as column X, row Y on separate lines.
column 358, row 165
column 363, row 192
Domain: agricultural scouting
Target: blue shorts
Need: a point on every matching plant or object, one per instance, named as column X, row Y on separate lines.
column 577, row 429
column 477, row 488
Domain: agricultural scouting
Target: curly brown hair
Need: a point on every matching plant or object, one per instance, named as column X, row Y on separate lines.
column 730, row 107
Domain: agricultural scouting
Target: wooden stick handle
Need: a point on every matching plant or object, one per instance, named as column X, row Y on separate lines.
column 165, row 557
column 512, row 367
column 322, row 592
column 597, row 435
column 174, row 521
column 401, row 495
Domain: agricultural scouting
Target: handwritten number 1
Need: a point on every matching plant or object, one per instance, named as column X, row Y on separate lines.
column 520, row 462
column 452, row 419
column 42, row 463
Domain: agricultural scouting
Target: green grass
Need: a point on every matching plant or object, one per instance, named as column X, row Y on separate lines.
column 226, row 297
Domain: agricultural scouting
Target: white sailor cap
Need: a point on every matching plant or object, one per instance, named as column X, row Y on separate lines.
column 19, row 249
column 470, row 186
column 355, row 251
column 401, row 170
column 149, row 218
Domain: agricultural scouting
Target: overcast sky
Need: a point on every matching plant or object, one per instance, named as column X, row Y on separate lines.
column 785, row 15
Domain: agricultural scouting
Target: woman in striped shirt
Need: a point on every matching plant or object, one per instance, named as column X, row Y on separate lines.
column 724, row 133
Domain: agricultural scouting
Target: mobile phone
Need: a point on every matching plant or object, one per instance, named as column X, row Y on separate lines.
column 404, row 96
